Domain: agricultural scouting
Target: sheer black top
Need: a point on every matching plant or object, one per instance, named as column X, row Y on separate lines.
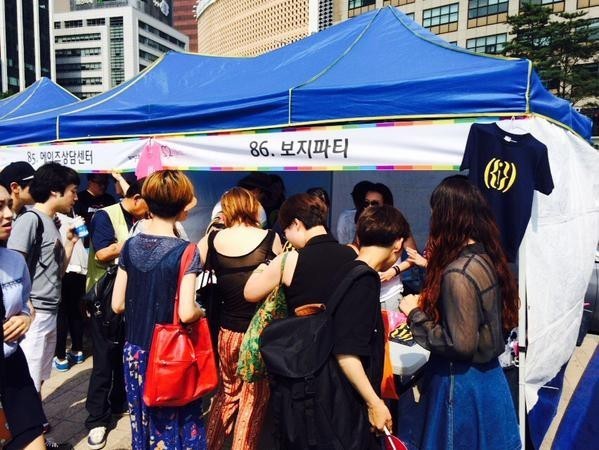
column 232, row 272
column 470, row 307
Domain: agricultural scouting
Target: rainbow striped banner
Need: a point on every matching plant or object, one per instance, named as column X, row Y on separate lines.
column 384, row 146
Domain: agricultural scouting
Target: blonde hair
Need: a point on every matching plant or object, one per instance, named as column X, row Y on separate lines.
column 167, row 192
column 240, row 206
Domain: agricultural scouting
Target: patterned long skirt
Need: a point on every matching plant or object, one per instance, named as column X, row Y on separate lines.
column 169, row 428
column 238, row 408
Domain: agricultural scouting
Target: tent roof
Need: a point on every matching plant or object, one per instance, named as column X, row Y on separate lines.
column 379, row 65
column 42, row 95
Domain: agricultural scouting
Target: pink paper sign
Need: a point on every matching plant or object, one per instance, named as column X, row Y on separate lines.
column 149, row 160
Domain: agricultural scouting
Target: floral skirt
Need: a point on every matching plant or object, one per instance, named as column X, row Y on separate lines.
column 168, row 428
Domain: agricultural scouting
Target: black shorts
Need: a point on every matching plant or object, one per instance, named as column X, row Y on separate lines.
column 21, row 402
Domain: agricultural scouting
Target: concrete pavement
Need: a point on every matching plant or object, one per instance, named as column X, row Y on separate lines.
column 64, row 402
column 576, row 366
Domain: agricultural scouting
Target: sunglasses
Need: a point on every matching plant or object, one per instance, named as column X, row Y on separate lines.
column 368, row 203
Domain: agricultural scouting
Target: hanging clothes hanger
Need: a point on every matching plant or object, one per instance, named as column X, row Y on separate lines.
column 512, row 127
column 515, row 127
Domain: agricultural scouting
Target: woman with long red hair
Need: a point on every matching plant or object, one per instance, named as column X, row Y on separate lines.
column 469, row 298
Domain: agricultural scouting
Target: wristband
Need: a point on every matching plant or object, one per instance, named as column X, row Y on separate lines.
column 397, row 270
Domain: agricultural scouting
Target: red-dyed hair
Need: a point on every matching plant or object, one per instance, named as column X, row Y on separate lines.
column 459, row 213
column 240, row 206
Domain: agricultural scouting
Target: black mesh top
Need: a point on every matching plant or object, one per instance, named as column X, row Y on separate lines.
column 470, row 307
column 232, row 272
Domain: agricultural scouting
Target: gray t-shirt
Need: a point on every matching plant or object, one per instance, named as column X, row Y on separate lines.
column 47, row 279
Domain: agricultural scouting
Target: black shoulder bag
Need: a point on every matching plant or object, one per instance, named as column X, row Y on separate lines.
column 314, row 404
column 206, row 295
column 98, row 303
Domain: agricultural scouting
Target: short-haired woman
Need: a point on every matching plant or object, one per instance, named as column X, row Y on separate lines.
column 359, row 344
column 144, row 290
column 469, row 295
column 379, row 194
column 311, row 275
column 309, row 271
column 309, row 268
column 233, row 253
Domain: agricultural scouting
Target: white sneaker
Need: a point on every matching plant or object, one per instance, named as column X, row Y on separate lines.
column 96, row 439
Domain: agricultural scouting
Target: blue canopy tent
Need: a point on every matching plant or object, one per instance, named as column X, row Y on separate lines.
column 42, row 95
column 379, row 79
column 378, row 66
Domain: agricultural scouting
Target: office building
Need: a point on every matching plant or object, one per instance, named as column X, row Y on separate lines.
column 252, row 27
column 249, row 27
column 25, row 53
column 99, row 44
column 185, row 22
column 478, row 25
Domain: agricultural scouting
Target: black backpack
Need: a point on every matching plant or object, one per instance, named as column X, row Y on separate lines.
column 314, row 404
column 98, row 303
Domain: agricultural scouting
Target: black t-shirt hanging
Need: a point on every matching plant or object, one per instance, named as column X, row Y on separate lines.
column 507, row 168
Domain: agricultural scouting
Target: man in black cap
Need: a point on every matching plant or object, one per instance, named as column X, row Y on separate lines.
column 18, row 177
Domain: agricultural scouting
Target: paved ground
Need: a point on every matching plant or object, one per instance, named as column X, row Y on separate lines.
column 64, row 402
column 574, row 372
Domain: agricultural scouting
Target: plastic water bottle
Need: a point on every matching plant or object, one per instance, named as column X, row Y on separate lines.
column 80, row 227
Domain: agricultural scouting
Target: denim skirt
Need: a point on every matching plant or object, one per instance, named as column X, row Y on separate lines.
column 459, row 406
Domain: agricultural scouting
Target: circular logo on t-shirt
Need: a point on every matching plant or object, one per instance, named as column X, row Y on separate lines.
column 500, row 175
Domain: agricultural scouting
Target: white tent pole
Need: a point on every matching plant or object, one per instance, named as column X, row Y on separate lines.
column 313, row 6
column 522, row 341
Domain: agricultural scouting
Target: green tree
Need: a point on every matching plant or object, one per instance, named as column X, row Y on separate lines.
column 561, row 47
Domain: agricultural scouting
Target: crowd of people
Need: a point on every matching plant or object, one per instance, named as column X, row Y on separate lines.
column 258, row 241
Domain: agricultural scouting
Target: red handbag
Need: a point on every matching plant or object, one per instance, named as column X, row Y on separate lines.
column 393, row 442
column 181, row 364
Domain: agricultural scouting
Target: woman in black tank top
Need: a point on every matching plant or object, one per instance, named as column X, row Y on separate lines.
column 233, row 253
